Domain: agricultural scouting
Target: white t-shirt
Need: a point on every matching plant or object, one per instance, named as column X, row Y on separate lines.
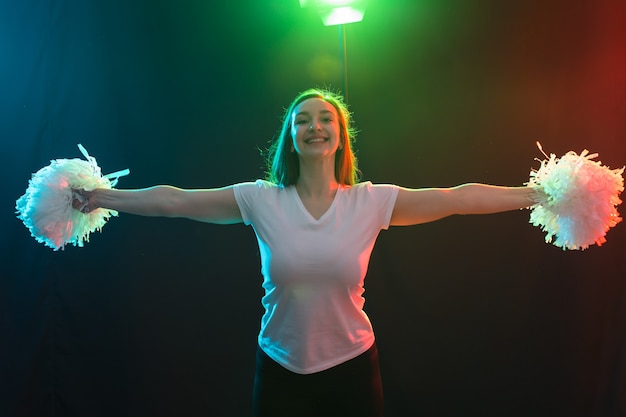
column 313, row 270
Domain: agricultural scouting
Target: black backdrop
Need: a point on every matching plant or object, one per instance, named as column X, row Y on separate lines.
column 475, row 316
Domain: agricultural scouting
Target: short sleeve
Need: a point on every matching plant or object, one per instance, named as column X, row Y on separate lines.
column 385, row 196
column 246, row 194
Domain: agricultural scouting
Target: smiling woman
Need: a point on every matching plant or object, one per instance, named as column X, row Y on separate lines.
column 316, row 226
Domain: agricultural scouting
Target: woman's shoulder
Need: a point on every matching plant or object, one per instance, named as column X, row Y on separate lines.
column 259, row 187
column 260, row 183
column 367, row 191
column 366, row 186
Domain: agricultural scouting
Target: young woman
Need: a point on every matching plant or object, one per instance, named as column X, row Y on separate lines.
column 316, row 226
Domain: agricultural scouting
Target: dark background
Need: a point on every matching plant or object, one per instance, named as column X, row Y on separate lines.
column 475, row 316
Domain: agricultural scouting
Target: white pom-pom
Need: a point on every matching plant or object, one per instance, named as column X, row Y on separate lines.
column 46, row 206
column 577, row 199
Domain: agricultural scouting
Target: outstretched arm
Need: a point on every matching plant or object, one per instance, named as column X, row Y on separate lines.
column 216, row 205
column 415, row 206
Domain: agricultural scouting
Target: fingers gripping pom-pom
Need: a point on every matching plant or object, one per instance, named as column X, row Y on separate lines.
column 46, row 207
column 577, row 199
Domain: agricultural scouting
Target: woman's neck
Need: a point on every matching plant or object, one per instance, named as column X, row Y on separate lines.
column 316, row 180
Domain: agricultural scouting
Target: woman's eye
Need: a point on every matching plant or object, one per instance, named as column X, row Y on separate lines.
column 301, row 122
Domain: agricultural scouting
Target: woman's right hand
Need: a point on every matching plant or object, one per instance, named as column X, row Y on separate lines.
column 82, row 200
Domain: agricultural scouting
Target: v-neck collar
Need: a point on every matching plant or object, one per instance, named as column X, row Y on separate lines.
column 308, row 213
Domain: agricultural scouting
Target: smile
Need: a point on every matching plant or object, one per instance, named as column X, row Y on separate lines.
column 315, row 140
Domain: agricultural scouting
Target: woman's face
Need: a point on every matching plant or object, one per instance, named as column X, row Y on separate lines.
column 315, row 128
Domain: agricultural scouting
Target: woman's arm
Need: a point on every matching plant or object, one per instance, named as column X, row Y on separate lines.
column 216, row 205
column 415, row 206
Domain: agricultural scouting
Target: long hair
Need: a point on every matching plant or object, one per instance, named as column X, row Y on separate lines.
column 283, row 166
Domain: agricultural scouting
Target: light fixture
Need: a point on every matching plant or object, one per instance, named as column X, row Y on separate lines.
column 337, row 12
